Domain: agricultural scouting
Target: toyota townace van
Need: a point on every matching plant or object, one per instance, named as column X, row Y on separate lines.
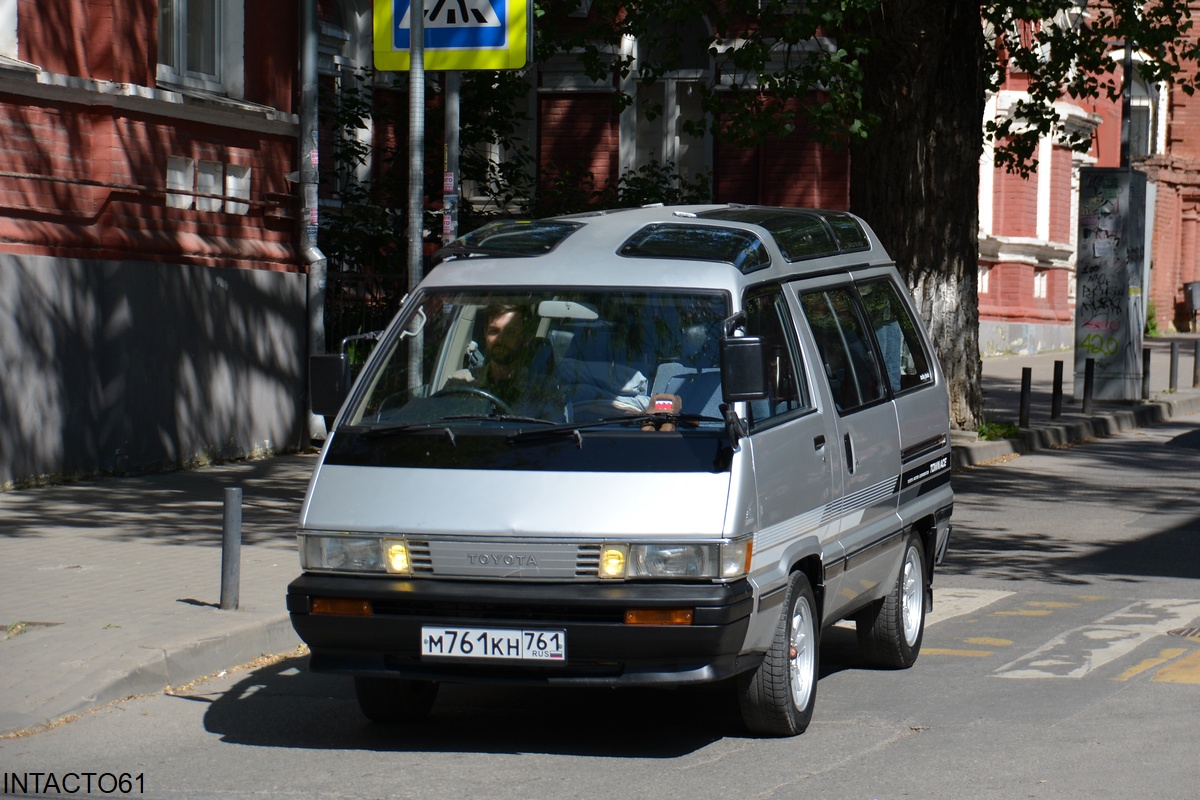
column 647, row 447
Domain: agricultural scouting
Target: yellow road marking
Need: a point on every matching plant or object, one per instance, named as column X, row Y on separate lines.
column 1185, row 670
column 1052, row 604
column 989, row 641
column 1150, row 663
column 945, row 651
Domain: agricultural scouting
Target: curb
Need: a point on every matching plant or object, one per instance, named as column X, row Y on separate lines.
column 970, row 452
column 150, row 669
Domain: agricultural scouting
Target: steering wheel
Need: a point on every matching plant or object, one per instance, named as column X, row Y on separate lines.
column 502, row 406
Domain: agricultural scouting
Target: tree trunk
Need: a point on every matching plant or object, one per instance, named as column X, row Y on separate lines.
column 916, row 178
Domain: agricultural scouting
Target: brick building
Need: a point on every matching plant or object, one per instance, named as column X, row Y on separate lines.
column 1028, row 227
column 152, row 299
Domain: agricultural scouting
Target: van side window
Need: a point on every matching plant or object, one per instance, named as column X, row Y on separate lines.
column 845, row 345
column 768, row 318
column 904, row 357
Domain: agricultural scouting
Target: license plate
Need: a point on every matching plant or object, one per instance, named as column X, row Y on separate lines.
column 510, row 644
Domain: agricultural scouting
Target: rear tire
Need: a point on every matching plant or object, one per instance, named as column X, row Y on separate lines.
column 777, row 697
column 394, row 700
column 890, row 631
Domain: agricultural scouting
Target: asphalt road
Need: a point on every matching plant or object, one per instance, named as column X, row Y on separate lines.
column 1062, row 660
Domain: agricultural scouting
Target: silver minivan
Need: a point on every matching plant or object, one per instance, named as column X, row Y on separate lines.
column 645, row 447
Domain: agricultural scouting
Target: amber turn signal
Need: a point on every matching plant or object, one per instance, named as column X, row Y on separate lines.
column 659, row 616
column 341, row 606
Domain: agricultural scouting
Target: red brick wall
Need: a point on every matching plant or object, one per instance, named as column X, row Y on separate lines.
column 792, row 171
column 112, row 40
column 1060, row 194
column 1015, row 205
column 578, row 134
column 100, row 181
column 86, row 174
column 1010, row 296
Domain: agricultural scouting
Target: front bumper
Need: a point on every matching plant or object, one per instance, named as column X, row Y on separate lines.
column 602, row 650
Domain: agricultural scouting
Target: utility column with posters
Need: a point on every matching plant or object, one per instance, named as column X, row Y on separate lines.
column 1109, row 302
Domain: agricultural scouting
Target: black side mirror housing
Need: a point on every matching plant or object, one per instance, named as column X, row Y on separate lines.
column 328, row 383
column 743, row 369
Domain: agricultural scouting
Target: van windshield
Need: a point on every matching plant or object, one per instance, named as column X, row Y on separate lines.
column 518, row 359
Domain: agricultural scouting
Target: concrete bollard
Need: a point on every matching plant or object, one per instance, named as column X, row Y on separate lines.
column 231, row 550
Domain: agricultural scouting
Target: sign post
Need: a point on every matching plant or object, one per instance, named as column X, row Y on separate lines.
column 451, row 35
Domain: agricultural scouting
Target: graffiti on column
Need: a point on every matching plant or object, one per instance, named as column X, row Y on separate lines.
column 1101, row 317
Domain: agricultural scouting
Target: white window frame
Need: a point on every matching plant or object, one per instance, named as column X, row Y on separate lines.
column 985, row 273
column 8, row 29
column 1041, row 283
column 229, row 38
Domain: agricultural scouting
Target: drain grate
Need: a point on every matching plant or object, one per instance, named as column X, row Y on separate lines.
column 1186, row 633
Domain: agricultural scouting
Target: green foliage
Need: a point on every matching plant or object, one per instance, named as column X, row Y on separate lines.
column 1152, row 319
column 363, row 228
column 991, row 431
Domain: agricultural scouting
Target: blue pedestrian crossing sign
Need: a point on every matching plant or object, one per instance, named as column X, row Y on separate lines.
column 459, row 34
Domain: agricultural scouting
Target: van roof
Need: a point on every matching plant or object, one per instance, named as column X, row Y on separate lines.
column 720, row 246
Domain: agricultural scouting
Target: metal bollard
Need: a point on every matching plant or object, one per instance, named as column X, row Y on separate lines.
column 1196, row 365
column 231, row 549
column 1089, row 381
column 1145, row 373
column 1174, row 381
column 1026, row 389
column 1057, row 397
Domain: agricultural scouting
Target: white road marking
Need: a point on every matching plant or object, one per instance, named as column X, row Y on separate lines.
column 950, row 603
column 1077, row 652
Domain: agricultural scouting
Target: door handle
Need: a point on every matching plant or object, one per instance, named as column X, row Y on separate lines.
column 849, row 454
column 818, row 442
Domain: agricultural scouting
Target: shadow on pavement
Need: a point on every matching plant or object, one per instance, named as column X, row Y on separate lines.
column 285, row 705
column 163, row 508
column 1163, row 541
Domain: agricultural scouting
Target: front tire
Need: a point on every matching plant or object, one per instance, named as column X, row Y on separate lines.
column 394, row 700
column 890, row 631
column 777, row 698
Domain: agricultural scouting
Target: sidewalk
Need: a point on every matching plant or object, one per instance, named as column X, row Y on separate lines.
column 117, row 580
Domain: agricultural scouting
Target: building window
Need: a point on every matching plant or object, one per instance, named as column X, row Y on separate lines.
column 1041, row 280
column 237, row 184
column 984, row 274
column 200, row 44
column 181, row 182
column 188, row 178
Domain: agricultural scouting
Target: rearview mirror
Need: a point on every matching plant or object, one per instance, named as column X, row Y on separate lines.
column 328, row 383
column 743, row 369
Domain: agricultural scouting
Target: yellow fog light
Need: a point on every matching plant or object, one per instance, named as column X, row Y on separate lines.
column 613, row 558
column 396, row 557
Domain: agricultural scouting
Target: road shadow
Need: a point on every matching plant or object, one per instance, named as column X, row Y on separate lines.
column 1163, row 541
column 285, row 705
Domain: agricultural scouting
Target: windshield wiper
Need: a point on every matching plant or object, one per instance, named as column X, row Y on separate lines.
column 383, row 431
column 573, row 428
column 497, row 418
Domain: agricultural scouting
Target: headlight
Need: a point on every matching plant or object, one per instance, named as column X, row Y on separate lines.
column 341, row 553
column 680, row 561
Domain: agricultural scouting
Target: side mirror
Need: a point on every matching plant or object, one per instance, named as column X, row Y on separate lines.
column 328, row 383
column 743, row 369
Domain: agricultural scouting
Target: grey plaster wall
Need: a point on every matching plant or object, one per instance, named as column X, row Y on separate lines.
column 118, row 366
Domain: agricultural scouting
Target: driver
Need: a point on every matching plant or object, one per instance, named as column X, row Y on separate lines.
column 508, row 370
